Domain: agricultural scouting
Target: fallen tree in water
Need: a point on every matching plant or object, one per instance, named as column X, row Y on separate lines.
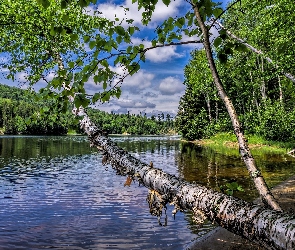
column 268, row 228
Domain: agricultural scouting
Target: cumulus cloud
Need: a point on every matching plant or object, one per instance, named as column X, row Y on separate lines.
column 150, row 94
column 127, row 103
column 111, row 10
column 137, row 82
column 162, row 54
column 171, row 86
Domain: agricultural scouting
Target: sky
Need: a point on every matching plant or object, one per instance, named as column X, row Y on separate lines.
column 158, row 86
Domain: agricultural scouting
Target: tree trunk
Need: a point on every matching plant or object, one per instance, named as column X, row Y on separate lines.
column 209, row 107
column 286, row 74
column 280, row 89
column 269, row 228
column 216, row 111
column 262, row 87
column 245, row 152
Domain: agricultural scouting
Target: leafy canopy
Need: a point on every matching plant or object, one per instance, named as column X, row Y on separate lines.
column 59, row 38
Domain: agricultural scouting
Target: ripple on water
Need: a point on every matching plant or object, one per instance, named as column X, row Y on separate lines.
column 66, row 199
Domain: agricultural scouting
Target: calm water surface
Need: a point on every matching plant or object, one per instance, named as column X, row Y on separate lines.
column 55, row 193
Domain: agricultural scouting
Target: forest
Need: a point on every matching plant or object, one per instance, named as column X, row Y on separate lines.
column 263, row 96
column 21, row 112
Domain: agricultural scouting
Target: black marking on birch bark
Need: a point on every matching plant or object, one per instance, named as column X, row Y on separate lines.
column 257, row 223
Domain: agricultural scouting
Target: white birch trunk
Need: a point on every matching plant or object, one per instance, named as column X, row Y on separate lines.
column 244, row 149
column 270, row 229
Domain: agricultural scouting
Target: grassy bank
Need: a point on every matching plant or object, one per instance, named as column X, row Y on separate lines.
column 227, row 143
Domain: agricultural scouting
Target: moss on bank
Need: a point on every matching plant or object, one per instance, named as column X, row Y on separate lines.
column 226, row 143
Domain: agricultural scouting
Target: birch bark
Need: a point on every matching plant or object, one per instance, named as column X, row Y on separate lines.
column 270, row 229
column 245, row 152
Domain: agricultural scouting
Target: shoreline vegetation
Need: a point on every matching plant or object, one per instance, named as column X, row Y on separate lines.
column 227, row 143
column 22, row 113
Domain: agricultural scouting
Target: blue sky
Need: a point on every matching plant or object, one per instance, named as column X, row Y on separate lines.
column 158, row 86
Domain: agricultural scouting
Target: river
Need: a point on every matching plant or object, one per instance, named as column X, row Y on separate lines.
column 55, row 193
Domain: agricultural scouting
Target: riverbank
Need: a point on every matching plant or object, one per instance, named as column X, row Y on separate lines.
column 221, row 239
column 227, row 142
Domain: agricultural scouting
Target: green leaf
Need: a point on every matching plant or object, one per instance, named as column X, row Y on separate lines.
column 92, row 44
column 133, row 68
column 95, row 97
column 71, row 64
column 104, row 85
column 217, row 42
column 131, row 30
column 45, row 3
column 97, row 79
column 142, row 56
column 104, row 63
column 106, row 96
column 166, row 2
column 52, row 31
column 180, row 22
column 217, row 12
column 119, row 39
column 81, row 100
column 66, row 17
column 118, row 93
column 222, row 34
column 83, row 3
column 229, row 192
column 74, row 37
column 159, row 31
column 63, row 32
column 120, row 30
column 63, row 4
column 129, row 49
column 86, row 39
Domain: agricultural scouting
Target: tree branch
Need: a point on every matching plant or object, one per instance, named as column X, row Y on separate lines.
column 259, row 52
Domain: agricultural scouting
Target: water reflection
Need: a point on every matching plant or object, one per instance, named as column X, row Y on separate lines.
column 55, row 193
column 212, row 169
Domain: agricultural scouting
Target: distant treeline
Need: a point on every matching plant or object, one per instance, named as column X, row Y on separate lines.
column 20, row 113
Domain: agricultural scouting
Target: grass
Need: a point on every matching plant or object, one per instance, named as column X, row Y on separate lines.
column 72, row 132
column 227, row 143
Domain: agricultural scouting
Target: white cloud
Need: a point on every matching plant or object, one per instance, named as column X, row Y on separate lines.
column 110, row 10
column 162, row 54
column 171, row 86
column 137, row 82
column 128, row 103
column 21, row 76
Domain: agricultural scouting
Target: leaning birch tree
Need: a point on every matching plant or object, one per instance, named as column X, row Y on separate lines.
column 52, row 36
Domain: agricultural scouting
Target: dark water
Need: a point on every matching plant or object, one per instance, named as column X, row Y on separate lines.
column 54, row 192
